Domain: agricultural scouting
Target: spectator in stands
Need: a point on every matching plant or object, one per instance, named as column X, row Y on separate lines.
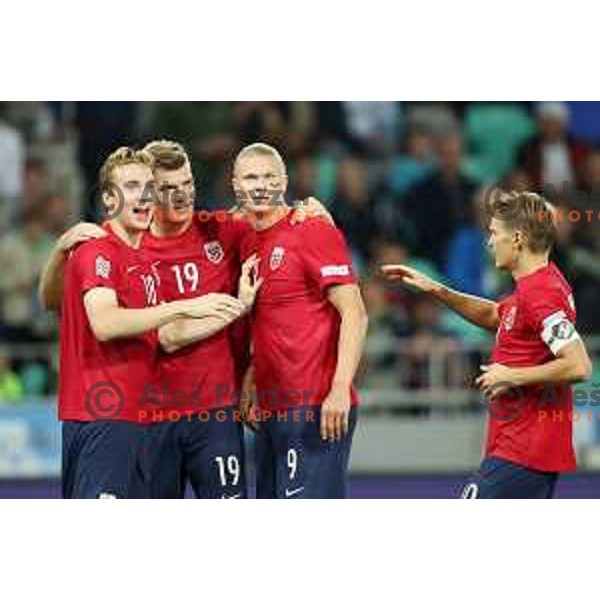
column 12, row 163
column 23, row 253
column 438, row 205
column 11, row 386
column 467, row 256
column 34, row 183
column 411, row 166
column 429, row 346
column 353, row 210
column 373, row 127
column 381, row 348
column 552, row 158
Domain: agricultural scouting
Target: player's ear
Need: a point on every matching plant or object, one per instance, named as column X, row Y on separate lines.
column 518, row 238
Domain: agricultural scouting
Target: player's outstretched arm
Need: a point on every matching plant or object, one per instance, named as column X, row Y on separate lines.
column 479, row 311
column 110, row 321
column 347, row 300
column 50, row 287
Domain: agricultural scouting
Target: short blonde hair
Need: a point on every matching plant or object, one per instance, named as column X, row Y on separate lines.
column 167, row 154
column 530, row 213
column 259, row 149
column 120, row 157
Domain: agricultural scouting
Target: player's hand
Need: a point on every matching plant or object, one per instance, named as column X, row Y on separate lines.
column 248, row 401
column 411, row 277
column 213, row 305
column 250, row 282
column 495, row 380
column 335, row 413
column 82, row 232
column 310, row 208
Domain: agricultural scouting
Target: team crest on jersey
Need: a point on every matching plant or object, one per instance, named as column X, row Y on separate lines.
column 276, row 258
column 509, row 319
column 214, row 252
column 102, row 267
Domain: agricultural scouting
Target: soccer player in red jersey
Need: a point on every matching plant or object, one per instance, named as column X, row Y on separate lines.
column 537, row 353
column 308, row 330
column 110, row 311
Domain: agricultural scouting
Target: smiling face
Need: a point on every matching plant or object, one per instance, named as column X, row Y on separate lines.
column 260, row 181
column 133, row 180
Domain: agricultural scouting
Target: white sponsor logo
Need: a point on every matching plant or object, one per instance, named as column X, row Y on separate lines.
column 107, row 496
column 102, row 267
column 332, row 270
column 294, row 492
column 226, row 497
column 276, row 258
column 214, row 252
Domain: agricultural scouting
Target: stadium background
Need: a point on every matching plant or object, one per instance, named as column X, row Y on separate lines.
column 402, row 179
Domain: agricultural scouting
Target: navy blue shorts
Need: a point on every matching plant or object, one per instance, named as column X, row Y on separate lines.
column 293, row 462
column 499, row 478
column 102, row 459
column 210, row 455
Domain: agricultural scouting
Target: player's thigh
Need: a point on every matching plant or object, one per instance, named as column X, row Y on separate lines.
column 264, row 463
column 163, row 461
column 501, row 479
column 102, row 459
column 306, row 466
column 214, row 455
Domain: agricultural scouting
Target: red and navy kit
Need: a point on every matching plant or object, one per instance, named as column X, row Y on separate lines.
column 531, row 442
column 203, row 259
column 101, row 383
column 199, row 380
column 536, row 321
column 295, row 329
column 295, row 334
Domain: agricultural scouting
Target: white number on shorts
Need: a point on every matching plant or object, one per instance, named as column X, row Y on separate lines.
column 470, row 492
column 292, row 462
column 189, row 273
column 231, row 467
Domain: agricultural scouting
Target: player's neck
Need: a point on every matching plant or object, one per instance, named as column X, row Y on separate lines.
column 267, row 220
column 131, row 237
column 529, row 264
column 169, row 228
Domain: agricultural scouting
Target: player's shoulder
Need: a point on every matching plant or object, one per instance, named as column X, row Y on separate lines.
column 548, row 280
column 314, row 226
column 546, row 290
column 106, row 246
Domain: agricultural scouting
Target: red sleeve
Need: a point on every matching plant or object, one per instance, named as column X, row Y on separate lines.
column 326, row 256
column 95, row 266
column 551, row 314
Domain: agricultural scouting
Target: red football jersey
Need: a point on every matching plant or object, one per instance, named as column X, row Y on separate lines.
column 105, row 380
column 295, row 329
column 539, row 434
column 204, row 259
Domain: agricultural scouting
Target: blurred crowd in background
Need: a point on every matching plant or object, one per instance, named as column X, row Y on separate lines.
column 404, row 180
